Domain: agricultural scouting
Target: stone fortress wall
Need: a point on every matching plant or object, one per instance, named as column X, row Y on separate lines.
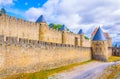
column 21, row 55
column 10, row 26
column 64, row 37
column 30, row 47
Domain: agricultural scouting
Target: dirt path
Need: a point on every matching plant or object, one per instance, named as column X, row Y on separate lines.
column 91, row 70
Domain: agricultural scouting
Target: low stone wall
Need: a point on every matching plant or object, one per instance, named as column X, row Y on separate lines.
column 116, row 51
column 21, row 55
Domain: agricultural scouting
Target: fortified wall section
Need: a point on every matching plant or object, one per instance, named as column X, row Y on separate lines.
column 71, row 38
column 52, row 35
column 87, row 43
column 31, row 47
column 24, row 55
column 10, row 26
column 64, row 37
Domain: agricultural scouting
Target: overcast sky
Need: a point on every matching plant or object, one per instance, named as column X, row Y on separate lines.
column 75, row 14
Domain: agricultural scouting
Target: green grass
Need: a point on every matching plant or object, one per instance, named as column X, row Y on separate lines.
column 43, row 74
column 114, row 58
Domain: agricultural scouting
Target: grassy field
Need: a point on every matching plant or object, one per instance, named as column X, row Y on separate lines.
column 114, row 58
column 43, row 74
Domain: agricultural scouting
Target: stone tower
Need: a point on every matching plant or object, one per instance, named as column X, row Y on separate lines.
column 43, row 27
column 99, row 46
column 81, row 37
column 64, row 34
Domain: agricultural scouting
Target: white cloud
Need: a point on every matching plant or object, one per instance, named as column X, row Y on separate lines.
column 7, row 5
column 33, row 13
column 77, row 14
column 6, row 2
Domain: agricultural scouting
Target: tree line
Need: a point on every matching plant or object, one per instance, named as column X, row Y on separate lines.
column 2, row 11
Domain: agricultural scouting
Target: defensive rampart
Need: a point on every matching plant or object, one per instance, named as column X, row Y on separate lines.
column 21, row 55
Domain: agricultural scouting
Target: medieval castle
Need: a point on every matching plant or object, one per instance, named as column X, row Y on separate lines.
column 32, row 46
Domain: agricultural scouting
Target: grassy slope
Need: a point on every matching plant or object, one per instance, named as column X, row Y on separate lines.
column 115, row 69
column 43, row 74
column 112, row 71
column 114, row 58
column 115, row 72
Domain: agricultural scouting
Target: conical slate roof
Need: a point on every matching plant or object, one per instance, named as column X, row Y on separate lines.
column 99, row 36
column 80, row 31
column 63, row 27
column 41, row 19
column 116, row 45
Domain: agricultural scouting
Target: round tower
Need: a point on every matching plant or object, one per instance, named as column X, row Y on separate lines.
column 81, row 37
column 64, row 34
column 43, row 28
column 99, row 46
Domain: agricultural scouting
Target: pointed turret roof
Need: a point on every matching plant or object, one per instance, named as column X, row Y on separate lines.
column 41, row 19
column 105, row 34
column 80, row 31
column 99, row 35
column 63, row 27
column 116, row 45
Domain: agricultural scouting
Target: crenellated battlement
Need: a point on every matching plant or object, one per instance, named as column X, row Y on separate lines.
column 32, row 43
column 12, row 19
